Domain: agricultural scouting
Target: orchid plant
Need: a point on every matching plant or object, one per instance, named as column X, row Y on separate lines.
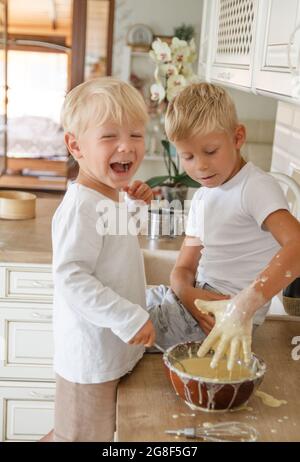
column 173, row 72
column 174, row 68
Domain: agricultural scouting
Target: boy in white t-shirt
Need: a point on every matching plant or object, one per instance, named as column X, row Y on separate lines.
column 100, row 322
column 241, row 240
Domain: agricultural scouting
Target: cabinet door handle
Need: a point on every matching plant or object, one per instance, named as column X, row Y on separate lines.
column 42, row 316
column 36, row 394
column 224, row 75
column 43, row 284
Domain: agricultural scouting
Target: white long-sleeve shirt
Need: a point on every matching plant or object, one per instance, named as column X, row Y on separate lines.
column 99, row 292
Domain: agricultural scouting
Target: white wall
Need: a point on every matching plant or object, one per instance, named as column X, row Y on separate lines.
column 251, row 106
column 163, row 15
column 160, row 15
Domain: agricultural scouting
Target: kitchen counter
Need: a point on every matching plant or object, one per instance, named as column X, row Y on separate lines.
column 147, row 404
column 29, row 241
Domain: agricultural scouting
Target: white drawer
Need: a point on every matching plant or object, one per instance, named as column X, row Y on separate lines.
column 27, row 344
column 26, row 283
column 26, row 410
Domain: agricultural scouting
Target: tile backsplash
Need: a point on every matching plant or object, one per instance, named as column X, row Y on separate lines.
column 258, row 148
column 286, row 148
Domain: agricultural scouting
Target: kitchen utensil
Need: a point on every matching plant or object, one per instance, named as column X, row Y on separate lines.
column 221, row 432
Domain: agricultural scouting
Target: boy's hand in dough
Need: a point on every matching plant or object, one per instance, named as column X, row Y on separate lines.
column 232, row 333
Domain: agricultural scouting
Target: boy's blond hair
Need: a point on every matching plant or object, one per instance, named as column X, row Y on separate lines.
column 200, row 108
column 100, row 100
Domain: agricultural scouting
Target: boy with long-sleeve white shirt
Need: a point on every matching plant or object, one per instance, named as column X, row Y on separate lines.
column 100, row 322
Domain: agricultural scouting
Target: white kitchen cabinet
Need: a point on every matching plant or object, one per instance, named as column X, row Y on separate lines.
column 26, row 282
column 228, row 41
column 277, row 66
column 27, row 344
column 27, row 410
column 26, row 375
column 253, row 45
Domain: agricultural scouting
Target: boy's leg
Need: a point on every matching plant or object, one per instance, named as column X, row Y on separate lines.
column 172, row 321
column 85, row 412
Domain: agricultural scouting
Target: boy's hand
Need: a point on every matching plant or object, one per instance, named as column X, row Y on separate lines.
column 232, row 332
column 139, row 191
column 205, row 321
column 145, row 336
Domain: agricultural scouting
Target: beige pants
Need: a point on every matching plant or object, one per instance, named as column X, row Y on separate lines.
column 85, row 412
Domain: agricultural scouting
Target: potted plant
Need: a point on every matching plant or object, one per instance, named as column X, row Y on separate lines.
column 175, row 184
column 174, row 70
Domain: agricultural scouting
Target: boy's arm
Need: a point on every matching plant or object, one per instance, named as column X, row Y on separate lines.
column 285, row 266
column 234, row 318
column 183, row 281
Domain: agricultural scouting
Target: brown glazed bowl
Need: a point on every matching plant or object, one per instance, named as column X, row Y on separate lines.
column 208, row 394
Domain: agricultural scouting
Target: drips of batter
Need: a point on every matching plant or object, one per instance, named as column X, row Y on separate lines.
column 269, row 400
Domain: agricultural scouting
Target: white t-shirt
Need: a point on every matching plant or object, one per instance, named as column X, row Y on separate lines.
column 228, row 220
column 99, row 291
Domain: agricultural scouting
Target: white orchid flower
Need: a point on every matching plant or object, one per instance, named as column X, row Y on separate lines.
column 177, row 43
column 175, row 85
column 181, row 55
column 161, row 51
column 166, row 70
column 193, row 52
column 173, row 67
column 187, row 70
column 158, row 92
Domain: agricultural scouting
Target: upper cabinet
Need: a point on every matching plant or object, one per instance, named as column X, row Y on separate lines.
column 253, row 45
column 227, row 46
column 277, row 64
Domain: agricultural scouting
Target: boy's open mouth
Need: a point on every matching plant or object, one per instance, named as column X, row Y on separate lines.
column 121, row 167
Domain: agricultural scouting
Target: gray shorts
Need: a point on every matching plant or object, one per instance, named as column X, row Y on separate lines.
column 173, row 323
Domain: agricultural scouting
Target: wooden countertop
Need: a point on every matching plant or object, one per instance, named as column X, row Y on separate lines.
column 147, row 404
column 29, row 241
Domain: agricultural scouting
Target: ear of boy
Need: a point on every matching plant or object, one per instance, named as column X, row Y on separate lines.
column 240, row 136
column 72, row 145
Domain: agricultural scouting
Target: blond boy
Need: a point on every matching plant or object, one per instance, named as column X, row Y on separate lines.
column 100, row 322
column 241, row 242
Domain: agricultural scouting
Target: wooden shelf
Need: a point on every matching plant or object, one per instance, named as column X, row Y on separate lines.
column 31, row 182
column 58, row 166
column 44, row 174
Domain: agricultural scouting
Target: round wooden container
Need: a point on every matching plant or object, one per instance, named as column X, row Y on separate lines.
column 17, row 205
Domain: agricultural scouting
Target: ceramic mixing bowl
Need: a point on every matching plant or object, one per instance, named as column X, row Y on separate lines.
column 209, row 394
